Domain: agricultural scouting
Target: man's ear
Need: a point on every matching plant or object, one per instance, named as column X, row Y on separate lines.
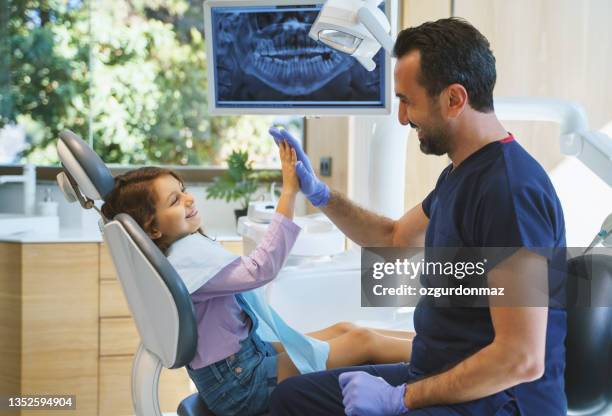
column 457, row 99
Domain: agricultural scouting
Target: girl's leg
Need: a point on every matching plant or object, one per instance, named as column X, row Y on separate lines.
column 394, row 333
column 285, row 367
column 330, row 332
column 341, row 328
column 333, row 331
column 355, row 347
column 363, row 345
column 344, row 327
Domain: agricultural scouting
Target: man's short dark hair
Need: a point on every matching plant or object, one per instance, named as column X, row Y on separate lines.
column 452, row 51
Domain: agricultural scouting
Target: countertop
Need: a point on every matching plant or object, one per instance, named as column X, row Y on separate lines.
column 91, row 236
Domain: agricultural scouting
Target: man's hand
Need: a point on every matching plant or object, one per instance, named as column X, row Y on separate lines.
column 315, row 190
column 365, row 394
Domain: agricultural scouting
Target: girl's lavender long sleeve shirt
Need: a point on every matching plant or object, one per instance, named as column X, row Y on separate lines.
column 222, row 323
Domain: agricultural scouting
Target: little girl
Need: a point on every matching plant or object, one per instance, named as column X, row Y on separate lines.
column 233, row 369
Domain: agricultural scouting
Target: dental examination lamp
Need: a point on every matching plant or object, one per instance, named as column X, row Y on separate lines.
column 355, row 27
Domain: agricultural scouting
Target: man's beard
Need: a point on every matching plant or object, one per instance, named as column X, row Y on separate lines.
column 435, row 142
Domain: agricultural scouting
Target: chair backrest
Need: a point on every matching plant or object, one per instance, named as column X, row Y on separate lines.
column 158, row 299
column 588, row 373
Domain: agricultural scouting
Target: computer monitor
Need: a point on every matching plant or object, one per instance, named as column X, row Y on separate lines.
column 262, row 61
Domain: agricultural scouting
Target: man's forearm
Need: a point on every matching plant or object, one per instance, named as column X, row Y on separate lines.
column 360, row 225
column 487, row 372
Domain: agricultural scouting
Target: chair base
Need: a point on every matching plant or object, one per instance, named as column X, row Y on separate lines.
column 193, row 406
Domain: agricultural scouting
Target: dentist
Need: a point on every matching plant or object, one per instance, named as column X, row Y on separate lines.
column 464, row 361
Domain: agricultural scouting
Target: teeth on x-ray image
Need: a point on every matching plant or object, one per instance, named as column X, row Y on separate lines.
column 267, row 55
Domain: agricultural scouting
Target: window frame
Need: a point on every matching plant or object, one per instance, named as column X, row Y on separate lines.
column 190, row 174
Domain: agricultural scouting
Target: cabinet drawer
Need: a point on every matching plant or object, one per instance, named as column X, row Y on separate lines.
column 233, row 246
column 118, row 336
column 107, row 268
column 115, row 387
column 112, row 300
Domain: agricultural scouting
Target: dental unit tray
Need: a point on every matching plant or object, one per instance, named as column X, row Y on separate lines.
column 261, row 211
column 319, row 236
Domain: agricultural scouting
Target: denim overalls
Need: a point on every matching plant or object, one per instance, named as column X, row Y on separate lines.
column 240, row 384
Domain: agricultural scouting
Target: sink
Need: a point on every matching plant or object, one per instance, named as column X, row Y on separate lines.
column 17, row 223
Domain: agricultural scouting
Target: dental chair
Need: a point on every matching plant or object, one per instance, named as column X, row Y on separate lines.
column 588, row 371
column 158, row 300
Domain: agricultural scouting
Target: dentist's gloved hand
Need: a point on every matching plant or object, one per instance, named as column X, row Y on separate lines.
column 365, row 394
column 315, row 190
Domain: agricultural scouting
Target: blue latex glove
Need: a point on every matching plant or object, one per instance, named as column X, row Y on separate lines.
column 315, row 190
column 365, row 394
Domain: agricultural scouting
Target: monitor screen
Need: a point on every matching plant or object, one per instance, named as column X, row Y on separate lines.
column 263, row 61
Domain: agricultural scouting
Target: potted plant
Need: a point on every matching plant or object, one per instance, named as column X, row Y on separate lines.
column 239, row 182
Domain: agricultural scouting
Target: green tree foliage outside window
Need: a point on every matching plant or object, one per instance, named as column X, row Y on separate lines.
column 130, row 74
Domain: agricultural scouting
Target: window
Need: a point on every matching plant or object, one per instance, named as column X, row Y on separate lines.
column 128, row 76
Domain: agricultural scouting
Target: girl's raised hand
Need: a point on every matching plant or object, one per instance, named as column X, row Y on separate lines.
column 288, row 158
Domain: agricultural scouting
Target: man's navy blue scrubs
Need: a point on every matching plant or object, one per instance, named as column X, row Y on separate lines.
column 498, row 197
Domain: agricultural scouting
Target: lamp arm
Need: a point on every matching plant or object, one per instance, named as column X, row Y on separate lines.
column 570, row 116
column 593, row 148
column 595, row 151
column 367, row 18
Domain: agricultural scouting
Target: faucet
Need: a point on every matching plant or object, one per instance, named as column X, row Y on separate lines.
column 28, row 178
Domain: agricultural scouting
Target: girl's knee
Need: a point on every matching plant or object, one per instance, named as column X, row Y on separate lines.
column 364, row 337
column 344, row 327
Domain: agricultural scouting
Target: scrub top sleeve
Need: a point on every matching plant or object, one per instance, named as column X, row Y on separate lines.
column 510, row 219
column 426, row 204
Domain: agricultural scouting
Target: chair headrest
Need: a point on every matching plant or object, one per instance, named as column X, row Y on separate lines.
column 588, row 370
column 84, row 166
column 589, row 282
